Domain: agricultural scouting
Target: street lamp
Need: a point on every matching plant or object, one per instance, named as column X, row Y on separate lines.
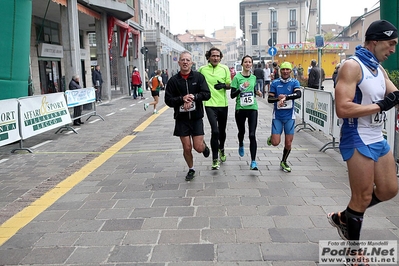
column 362, row 19
column 260, row 56
column 250, row 34
column 272, row 9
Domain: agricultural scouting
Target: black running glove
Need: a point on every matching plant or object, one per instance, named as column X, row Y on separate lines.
column 220, row 86
column 389, row 101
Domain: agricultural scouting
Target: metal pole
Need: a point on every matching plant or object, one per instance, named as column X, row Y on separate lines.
column 271, row 25
column 259, row 24
column 319, row 32
column 250, row 39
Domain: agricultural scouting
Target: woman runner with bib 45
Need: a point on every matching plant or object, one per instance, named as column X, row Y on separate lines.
column 243, row 88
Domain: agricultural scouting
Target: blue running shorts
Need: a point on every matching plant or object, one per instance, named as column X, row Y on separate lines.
column 288, row 125
column 372, row 151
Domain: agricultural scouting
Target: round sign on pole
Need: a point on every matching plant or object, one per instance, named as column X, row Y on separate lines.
column 175, row 58
column 272, row 51
column 157, row 59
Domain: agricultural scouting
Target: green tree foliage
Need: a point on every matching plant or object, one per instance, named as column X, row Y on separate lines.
column 394, row 77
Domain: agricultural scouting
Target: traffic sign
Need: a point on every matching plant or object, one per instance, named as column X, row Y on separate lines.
column 272, row 51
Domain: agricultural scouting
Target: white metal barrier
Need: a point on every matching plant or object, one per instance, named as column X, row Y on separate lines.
column 80, row 97
column 26, row 117
column 9, row 126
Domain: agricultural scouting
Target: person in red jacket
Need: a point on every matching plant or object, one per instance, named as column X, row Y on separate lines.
column 136, row 83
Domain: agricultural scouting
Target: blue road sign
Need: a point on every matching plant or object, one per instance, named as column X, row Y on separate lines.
column 272, row 51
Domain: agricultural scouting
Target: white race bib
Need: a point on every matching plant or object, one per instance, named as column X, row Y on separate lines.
column 378, row 119
column 192, row 108
column 247, row 98
column 286, row 105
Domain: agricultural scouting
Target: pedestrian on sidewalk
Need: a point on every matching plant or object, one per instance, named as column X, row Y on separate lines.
column 363, row 94
column 316, row 76
column 244, row 88
column 97, row 79
column 146, row 79
column 136, row 83
column 185, row 92
column 283, row 92
column 267, row 75
column 155, row 86
column 260, row 76
column 217, row 76
column 77, row 110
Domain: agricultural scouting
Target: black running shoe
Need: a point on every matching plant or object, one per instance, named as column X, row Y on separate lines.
column 206, row 151
column 190, row 175
column 335, row 220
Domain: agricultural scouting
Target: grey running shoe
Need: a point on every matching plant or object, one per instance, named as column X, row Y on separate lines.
column 190, row 175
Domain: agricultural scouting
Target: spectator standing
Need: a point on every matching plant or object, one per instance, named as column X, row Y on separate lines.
column 316, row 76
column 146, row 79
column 276, row 71
column 77, row 110
column 300, row 72
column 97, row 80
column 267, row 75
column 136, row 82
column 260, row 76
column 164, row 78
column 295, row 72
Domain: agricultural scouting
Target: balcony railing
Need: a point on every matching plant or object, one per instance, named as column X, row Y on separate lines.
column 292, row 25
column 273, row 25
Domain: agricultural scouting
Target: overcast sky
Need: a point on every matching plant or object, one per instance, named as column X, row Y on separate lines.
column 213, row 15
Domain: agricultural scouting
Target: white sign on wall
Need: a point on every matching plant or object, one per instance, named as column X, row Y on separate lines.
column 50, row 50
column 9, row 128
column 41, row 113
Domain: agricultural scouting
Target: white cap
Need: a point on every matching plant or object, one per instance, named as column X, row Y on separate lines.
column 135, row 69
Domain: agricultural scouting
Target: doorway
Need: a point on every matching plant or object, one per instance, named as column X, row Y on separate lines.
column 50, row 76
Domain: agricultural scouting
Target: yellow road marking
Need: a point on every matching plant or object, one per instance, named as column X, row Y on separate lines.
column 150, row 119
column 25, row 216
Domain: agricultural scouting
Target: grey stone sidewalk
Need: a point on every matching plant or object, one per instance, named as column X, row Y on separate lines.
column 136, row 208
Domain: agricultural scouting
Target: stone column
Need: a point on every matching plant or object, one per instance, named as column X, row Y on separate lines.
column 122, row 69
column 103, row 55
column 70, row 40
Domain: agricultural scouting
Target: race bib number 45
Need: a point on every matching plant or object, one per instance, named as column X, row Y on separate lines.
column 246, row 98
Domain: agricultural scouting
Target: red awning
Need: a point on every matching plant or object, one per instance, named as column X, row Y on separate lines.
column 81, row 8
column 124, row 30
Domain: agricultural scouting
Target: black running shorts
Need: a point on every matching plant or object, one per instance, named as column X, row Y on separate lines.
column 154, row 93
column 189, row 128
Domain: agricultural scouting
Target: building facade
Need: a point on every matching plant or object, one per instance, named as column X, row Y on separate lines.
column 163, row 47
column 69, row 37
